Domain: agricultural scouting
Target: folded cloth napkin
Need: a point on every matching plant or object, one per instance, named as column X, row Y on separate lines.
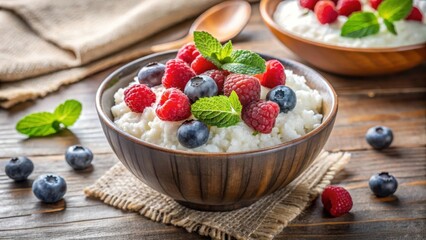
column 262, row 220
column 45, row 44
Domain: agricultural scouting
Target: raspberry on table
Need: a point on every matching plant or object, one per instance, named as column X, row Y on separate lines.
column 326, row 12
column 273, row 76
column 347, row 7
column 415, row 15
column 336, row 200
column 201, row 64
column 309, row 4
column 177, row 74
column 218, row 76
column 188, row 53
column 174, row 105
column 260, row 115
column 139, row 96
column 247, row 87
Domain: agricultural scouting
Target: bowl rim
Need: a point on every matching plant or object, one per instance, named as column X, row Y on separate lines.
column 106, row 120
column 267, row 18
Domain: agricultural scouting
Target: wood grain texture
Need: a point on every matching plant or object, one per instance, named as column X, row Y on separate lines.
column 397, row 100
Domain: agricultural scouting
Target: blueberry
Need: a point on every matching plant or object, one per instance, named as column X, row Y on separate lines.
column 19, row 168
column 200, row 86
column 49, row 188
column 379, row 137
column 383, row 184
column 193, row 133
column 151, row 74
column 284, row 97
column 78, row 157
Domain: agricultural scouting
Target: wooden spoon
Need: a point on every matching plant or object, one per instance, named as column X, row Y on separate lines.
column 224, row 21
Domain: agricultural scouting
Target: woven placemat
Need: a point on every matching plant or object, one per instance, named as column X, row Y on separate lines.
column 262, row 220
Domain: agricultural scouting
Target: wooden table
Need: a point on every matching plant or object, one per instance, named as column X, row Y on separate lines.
column 397, row 101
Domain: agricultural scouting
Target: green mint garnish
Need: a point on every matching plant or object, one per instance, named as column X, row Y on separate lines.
column 220, row 111
column 45, row 123
column 395, row 10
column 360, row 24
column 390, row 26
column 224, row 57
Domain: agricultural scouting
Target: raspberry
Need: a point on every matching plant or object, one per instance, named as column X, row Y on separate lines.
column 138, row 97
column 336, row 200
column 177, row 74
column 261, row 115
column 326, row 12
column 347, row 7
column 174, row 105
column 309, row 4
column 375, row 3
column 246, row 87
column 274, row 74
column 415, row 15
column 188, row 53
column 219, row 77
column 200, row 65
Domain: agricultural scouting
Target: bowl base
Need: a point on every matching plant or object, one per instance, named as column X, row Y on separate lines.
column 216, row 208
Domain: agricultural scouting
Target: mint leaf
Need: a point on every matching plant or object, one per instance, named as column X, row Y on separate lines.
column 390, row 26
column 219, row 111
column 68, row 112
column 395, row 10
column 208, row 46
column 245, row 62
column 226, row 50
column 360, row 24
column 38, row 124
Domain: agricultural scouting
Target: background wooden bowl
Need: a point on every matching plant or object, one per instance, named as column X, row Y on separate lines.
column 344, row 60
column 214, row 181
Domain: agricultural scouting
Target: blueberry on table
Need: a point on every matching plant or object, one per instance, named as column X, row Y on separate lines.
column 49, row 188
column 19, row 168
column 383, row 184
column 284, row 96
column 193, row 133
column 151, row 74
column 200, row 86
column 379, row 137
column 78, row 157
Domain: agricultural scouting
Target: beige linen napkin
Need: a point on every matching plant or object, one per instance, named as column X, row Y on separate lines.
column 45, row 44
column 262, row 220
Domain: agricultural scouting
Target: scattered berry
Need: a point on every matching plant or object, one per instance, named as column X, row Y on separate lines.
column 246, row 87
column 188, row 53
column 78, row 157
column 49, row 188
column 284, row 97
column 347, row 7
column 309, row 4
column 219, row 77
column 375, row 3
column 336, row 200
column 177, row 74
column 19, row 168
column 274, row 74
column 200, row 65
column 174, row 105
column 139, row 96
column 261, row 115
column 193, row 133
column 379, row 137
column 326, row 12
column 383, row 184
column 151, row 74
column 415, row 15
column 200, row 86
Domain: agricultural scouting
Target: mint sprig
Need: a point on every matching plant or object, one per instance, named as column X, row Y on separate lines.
column 220, row 111
column 224, row 57
column 45, row 123
column 395, row 10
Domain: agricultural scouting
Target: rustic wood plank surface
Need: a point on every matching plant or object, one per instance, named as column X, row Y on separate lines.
column 397, row 101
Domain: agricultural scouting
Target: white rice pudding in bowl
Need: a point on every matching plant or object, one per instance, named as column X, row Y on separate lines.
column 301, row 22
column 146, row 126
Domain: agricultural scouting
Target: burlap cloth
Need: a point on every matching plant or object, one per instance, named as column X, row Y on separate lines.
column 45, row 44
column 262, row 220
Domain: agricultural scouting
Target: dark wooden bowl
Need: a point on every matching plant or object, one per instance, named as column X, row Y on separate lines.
column 344, row 60
column 214, row 181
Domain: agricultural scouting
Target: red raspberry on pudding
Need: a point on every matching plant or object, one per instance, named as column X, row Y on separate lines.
column 188, row 53
column 174, row 105
column 375, row 3
column 246, row 87
column 201, row 64
column 326, row 12
column 415, row 15
column 336, row 200
column 347, row 7
column 260, row 115
column 274, row 74
column 177, row 74
column 309, row 4
column 139, row 96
